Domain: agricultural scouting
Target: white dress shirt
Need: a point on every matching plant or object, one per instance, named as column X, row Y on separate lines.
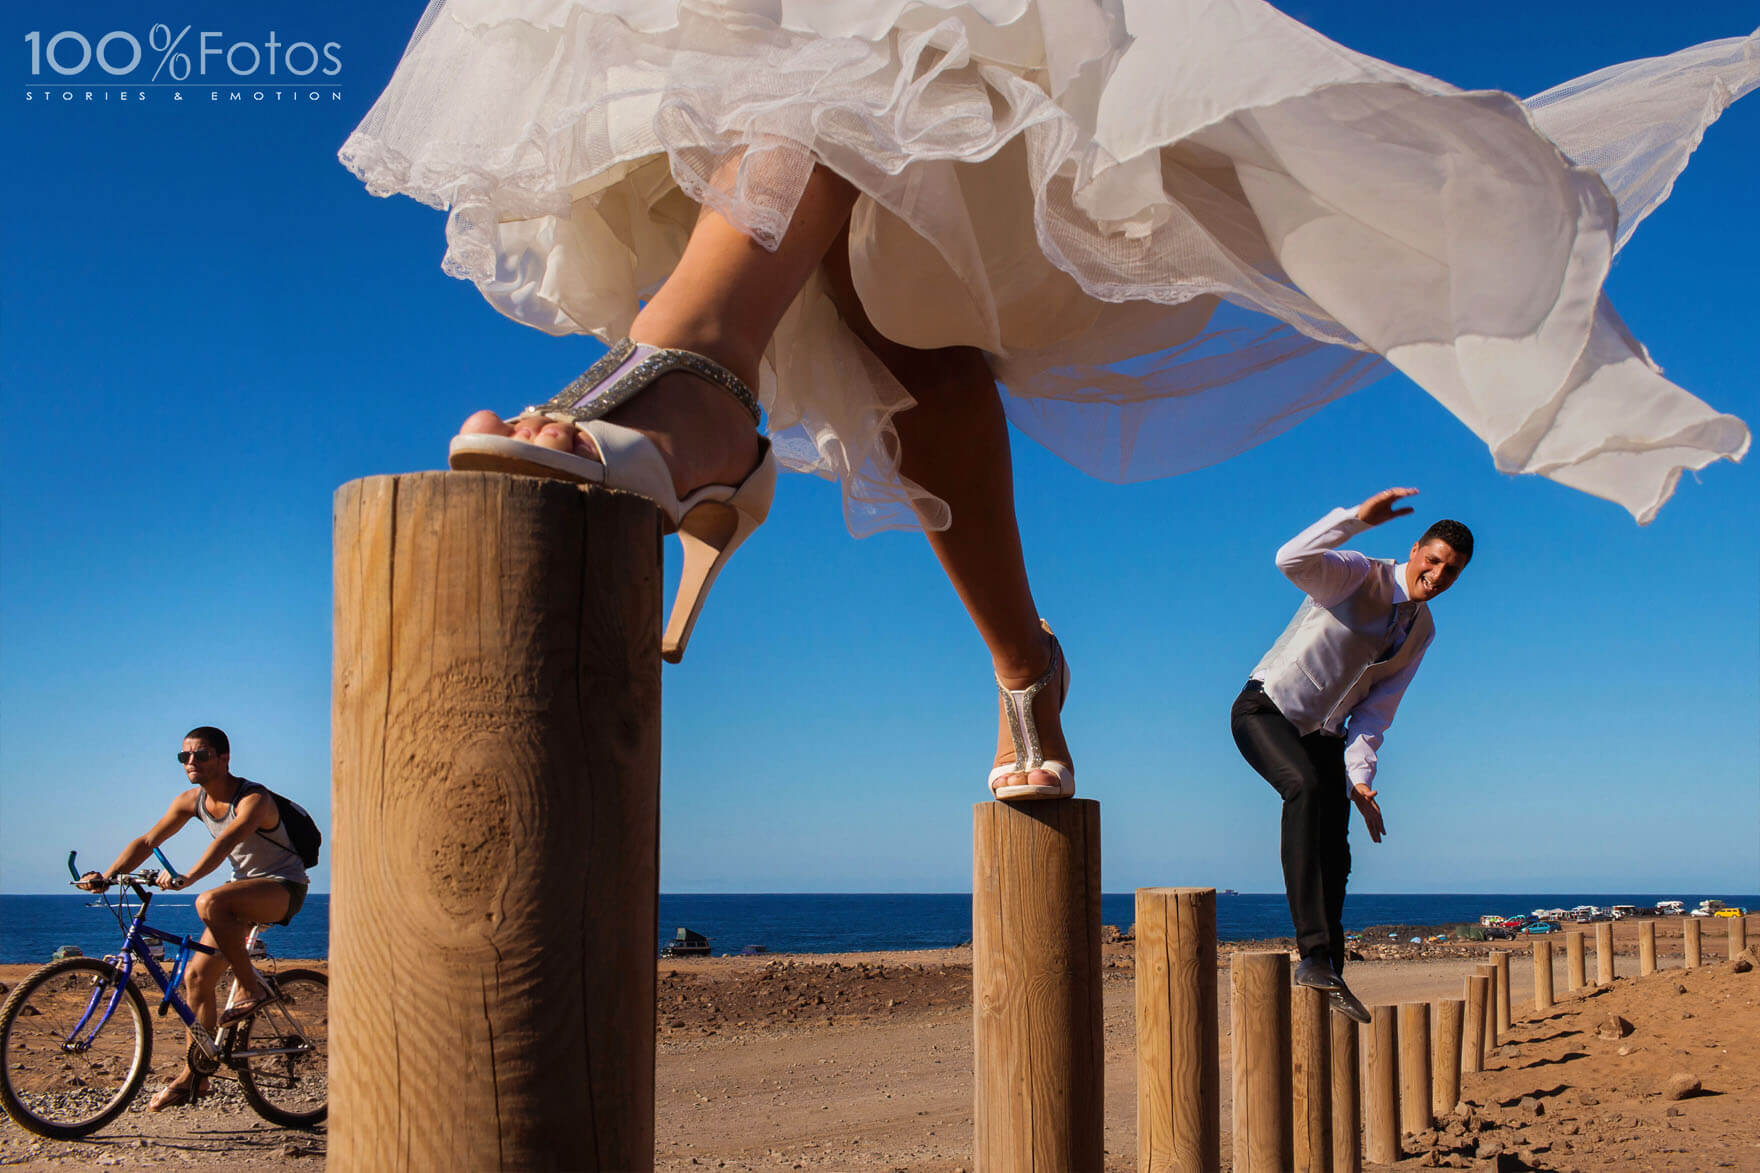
column 1327, row 575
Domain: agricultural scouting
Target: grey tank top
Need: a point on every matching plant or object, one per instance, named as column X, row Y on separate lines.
column 265, row 853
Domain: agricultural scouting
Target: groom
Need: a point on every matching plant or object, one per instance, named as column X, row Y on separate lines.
column 1312, row 716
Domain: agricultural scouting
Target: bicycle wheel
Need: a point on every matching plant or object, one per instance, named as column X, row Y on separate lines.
column 282, row 1052
column 62, row 1077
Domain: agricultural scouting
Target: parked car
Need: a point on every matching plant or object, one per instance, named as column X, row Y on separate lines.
column 1540, row 926
column 1731, row 912
column 1497, row 933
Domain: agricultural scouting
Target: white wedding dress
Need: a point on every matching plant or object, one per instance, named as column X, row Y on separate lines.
column 1177, row 228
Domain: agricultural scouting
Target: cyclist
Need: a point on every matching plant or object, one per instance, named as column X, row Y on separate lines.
column 268, row 883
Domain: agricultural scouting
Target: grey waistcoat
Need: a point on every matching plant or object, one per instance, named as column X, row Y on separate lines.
column 1328, row 658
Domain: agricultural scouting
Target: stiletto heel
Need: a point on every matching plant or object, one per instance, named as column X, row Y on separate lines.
column 1029, row 755
column 711, row 522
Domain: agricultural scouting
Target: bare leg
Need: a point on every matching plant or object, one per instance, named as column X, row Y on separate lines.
column 954, row 443
column 229, row 911
column 724, row 300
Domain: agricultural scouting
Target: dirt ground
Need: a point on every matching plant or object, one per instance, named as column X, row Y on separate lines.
column 864, row 1062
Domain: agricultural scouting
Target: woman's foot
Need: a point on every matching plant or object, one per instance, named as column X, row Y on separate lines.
column 705, row 436
column 1047, row 707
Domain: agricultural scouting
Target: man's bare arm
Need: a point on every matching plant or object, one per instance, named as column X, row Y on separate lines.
column 181, row 811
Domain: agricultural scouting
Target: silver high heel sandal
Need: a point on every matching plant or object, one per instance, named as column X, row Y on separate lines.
column 711, row 522
column 1017, row 709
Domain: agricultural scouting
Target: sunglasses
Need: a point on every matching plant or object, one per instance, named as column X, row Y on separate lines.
column 184, row 757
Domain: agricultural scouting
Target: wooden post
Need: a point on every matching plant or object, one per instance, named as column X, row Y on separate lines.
column 1500, row 958
column 496, row 766
column 1646, row 948
column 1542, row 976
column 1381, row 1086
column 1488, row 971
column 1690, row 942
column 1478, row 1000
column 1036, row 985
column 1576, row 972
column 1179, row 1082
column 1604, row 953
column 1259, row 1014
column 1738, row 935
column 1445, row 1067
column 1414, row 1067
column 1347, row 1120
column 1311, row 1078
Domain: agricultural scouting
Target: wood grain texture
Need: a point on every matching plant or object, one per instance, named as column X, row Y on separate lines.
column 1445, row 1058
column 1576, row 971
column 1179, row 1083
column 1347, row 1117
column 1500, row 958
column 1488, row 971
column 496, row 754
column 1414, row 1067
column 1039, row 1088
column 1604, row 974
column 1690, row 942
column 1738, row 935
column 1478, row 1000
column 1646, row 947
column 1542, row 976
column 1311, row 1078
column 1381, row 1086
column 1259, row 1019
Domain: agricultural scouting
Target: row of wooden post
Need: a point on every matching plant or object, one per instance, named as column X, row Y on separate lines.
column 1300, row 1100
column 496, row 775
column 1576, row 977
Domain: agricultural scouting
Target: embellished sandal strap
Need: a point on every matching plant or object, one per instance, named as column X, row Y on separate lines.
column 626, row 370
column 1017, row 706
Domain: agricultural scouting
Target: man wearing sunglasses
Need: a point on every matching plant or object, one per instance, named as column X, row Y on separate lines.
column 268, row 883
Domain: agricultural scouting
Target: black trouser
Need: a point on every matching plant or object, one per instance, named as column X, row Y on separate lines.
column 1309, row 773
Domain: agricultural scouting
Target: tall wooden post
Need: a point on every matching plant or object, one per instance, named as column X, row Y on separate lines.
column 1036, row 985
column 1690, row 942
column 1478, row 999
column 1311, row 1078
column 1542, row 976
column 1500, row 958
column 1604, row 953
column 1347, row 1118
column 1576, row 972
column 1381, row 1086
column 1179, row 1081
column 496, row 766
column 1445, row 1067
column 1738, row 935
column 1646, row 948
column 1259, row 1015
column 1414, row 1067
column 1488, row 971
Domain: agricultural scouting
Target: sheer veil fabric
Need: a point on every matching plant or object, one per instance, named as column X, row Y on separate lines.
column 1177, row 228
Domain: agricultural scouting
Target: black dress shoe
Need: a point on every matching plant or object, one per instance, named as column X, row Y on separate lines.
column 1346, row 1002
column 1316, row 973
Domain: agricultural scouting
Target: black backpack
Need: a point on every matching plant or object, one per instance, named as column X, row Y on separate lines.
column 302, row 829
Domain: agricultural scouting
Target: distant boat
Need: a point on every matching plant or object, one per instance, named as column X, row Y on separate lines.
column 686, row 944
column 1228, row 892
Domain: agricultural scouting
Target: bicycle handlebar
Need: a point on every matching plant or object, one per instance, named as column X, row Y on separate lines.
column 154, row 879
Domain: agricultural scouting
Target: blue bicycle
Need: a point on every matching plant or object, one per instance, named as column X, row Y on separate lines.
column 76, row 1042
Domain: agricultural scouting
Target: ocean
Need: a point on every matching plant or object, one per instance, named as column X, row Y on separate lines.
column 32, row 927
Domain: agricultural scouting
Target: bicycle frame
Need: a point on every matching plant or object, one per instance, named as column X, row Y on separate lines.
column 135, row 943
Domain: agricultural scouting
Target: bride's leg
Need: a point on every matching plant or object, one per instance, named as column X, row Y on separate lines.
column 723, row 300
column 954, row 443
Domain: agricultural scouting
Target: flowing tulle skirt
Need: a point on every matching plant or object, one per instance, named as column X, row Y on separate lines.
column 1177, row 228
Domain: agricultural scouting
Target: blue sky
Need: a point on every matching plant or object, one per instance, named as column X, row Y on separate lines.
column 207, row 326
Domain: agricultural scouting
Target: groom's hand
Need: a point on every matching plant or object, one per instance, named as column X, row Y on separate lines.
column 1380, row 507
column 1365, row 800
